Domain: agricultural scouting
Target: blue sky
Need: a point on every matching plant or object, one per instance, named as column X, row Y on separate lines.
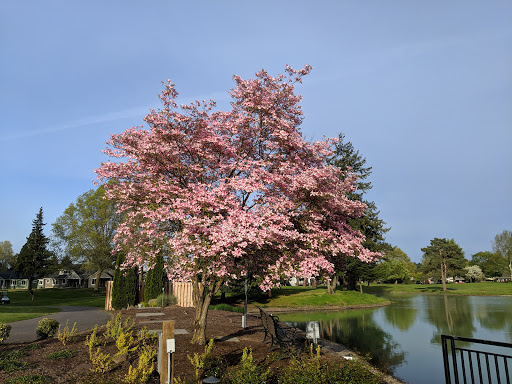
column 423, row 89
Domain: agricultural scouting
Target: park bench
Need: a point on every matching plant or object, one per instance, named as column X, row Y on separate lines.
column 281, row 335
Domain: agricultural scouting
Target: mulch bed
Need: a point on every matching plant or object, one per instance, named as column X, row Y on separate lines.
column 222, row 326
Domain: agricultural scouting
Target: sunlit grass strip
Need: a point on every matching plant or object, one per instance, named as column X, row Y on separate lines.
column 58, row 296
column 320, row 297
column 10, row 313
column 473, row 289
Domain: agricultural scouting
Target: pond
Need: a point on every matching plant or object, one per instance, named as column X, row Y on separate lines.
column 405, row 337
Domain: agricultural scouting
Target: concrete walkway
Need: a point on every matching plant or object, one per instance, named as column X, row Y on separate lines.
column 85, row 317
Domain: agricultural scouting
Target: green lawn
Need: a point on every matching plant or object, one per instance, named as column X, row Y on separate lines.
column 472, row 289
column 292, row 297
column 22, row 307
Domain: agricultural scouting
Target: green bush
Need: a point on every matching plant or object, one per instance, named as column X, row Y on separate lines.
column 164, row 300
column 47, row 328
column 5, row 330
column 248, row 372
column 155, row 280
column 29, row 379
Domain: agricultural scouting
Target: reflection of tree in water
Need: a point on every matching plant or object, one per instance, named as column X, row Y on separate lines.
column 493, row 318
column 364, row 336
column 400, row 317
column 453, row 316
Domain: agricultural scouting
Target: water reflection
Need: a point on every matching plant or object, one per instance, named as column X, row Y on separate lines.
column 400, row 316
column 450, row 315
column 357, row 330
column 405, row 336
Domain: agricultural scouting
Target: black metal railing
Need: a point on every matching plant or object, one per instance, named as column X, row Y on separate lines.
column 485, row 362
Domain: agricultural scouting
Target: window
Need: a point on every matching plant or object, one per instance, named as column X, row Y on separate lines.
column 23, row 283
column 93, row 281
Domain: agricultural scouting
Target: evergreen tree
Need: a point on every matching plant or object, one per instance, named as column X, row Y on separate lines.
column 443, row 258
column 118, row 289
column 35, row 259
column 349, row 160
column 131, row 286
column 155, row 280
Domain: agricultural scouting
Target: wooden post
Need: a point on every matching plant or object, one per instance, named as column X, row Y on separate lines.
column 167, row 333
column 108, row 297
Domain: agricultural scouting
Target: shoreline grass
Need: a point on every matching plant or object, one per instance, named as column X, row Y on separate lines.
column 469, row 289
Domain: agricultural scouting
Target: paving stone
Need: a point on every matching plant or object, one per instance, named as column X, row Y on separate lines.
column 149, row 314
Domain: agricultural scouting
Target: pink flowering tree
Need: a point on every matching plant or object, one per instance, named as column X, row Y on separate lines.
column 224, row 193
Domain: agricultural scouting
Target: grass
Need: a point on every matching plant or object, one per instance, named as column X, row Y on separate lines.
column 23, row 308
column 9, row 314
column 471, row 289
column 294, row 297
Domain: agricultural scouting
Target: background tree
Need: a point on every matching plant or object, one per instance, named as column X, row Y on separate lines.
column 231, row 192
column 86, row 231
column 119, row 299
column 474, row 273
column 34, row 259
column 351, row 162
column 503, row 247
column 443, row 258
column 396, row 266
column 155, row 279
column 7, row 256
column 491, row 264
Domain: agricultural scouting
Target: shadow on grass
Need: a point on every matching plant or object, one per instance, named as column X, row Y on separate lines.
column 257, row 296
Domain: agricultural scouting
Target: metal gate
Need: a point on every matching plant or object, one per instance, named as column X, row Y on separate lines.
column 485, row 362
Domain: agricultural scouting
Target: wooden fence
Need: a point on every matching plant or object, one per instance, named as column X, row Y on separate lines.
column 182, row 291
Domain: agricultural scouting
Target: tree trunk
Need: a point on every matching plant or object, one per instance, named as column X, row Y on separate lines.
column 97, row 285
column 443, row 275
column 331, row 285
column 314, row 283
column 361, row 287
column 202, row 296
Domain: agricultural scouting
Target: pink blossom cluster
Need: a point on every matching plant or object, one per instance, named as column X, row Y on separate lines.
column 223, row 193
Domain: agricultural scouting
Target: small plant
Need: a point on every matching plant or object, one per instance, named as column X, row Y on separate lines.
column 124, row 343
column 5, row 330
column 66, row 336
column 47, row 328
column 248, row 371
column 145, row 367
column 164, row 300
column 198, row 361
column 93, row 340
column 102, row 361
column 64, row 354
column 9, row 361
column 29, row 379
column 114, row 329
column 32, row 347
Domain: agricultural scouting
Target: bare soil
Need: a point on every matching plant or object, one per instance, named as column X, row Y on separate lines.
column 224, row 327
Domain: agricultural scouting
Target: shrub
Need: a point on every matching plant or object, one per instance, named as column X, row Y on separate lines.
column 155, row 280
column 124, row 343
column 226, row 307
column 200, row 360
column 145, row 367
column 47, row 328
column 164, row 300
column 29, row 379
column 116, row 328
column 9, row 361
column 5, row 330
column 248, row 371
column 66, row 336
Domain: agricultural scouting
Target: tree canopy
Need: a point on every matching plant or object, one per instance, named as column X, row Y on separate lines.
column 86, row 231
column 492, row 264
column 224, row 193
column 503, row 246
column 7, row 256
column 443, row 258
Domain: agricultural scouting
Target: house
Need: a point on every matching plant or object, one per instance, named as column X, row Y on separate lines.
column 106, row 275
column 11, row 280
column 63, row 279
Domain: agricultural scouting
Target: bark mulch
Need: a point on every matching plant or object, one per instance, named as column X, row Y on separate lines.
column 224, row 327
